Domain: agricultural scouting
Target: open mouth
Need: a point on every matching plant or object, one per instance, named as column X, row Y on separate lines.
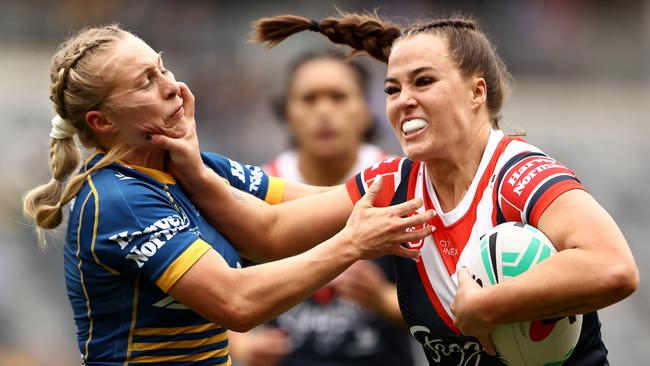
column 413, row 126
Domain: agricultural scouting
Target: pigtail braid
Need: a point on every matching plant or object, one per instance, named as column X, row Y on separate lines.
column 362, row 32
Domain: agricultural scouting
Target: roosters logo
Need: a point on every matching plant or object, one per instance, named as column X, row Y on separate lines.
column 415, row 244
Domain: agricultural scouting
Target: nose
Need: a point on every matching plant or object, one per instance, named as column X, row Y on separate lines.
column 406, row 99
column 170, row 88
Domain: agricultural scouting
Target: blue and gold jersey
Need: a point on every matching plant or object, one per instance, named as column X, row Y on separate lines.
column 132, row 233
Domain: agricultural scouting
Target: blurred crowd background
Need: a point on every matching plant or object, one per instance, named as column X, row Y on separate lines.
column 582, row 93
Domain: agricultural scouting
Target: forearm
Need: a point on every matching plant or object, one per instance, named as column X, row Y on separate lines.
column 263, row 232
column 570, row 282
column 264, row 291
column 295, row 190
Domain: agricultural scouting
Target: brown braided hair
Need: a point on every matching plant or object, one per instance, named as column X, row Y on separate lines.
column 470, row 48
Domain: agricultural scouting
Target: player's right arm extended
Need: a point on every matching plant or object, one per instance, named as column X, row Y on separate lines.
column 242, row 298
column 264, row 232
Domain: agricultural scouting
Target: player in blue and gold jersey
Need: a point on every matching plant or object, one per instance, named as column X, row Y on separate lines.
column 150, row 279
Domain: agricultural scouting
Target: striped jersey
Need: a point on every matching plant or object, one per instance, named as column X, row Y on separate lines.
column 132, row 233
column 515, row 181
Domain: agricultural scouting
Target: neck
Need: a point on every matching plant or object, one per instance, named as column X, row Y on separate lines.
column 326, row 171
column 453, row 175
column 149, row 158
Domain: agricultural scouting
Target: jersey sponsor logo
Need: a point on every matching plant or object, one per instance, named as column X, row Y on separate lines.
column 528, row 169
column 173, row 222
column 237, row 170
column 447, row 248
column 160, row 232
column 256, row 178
column 445, row 352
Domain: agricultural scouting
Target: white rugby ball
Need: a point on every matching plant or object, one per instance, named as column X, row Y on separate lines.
column 506, row 251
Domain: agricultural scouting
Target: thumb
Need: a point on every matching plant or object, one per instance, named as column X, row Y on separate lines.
column 488, row 346
column 463, row 275
column 188, row 99
column 373, row 191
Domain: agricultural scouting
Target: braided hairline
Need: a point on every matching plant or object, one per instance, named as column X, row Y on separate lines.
column 442, row 23
column 66, row 71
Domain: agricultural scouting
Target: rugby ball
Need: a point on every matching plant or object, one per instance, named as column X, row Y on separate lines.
column 507, row 251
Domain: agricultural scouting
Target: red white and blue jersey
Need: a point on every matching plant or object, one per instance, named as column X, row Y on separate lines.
column 515, row 181
column 132, row 233
column 327, row 329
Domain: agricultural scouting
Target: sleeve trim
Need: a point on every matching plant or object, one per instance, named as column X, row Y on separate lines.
column 352, row 188
column 549, row 196
column 182, row 264
column 275, row 192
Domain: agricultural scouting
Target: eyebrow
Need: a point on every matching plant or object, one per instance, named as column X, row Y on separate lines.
column 148, row 68
column 411, row 74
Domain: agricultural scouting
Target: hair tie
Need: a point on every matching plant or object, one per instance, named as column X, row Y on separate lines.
column 314, row 26
column 62, row 128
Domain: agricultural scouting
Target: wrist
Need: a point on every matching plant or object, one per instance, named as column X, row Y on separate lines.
column 198, row 177
column 345, row 246
column 488, row 311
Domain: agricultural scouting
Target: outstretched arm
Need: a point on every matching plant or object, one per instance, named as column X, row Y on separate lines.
column 260, row 231
column 264, row 232
column 232, row 296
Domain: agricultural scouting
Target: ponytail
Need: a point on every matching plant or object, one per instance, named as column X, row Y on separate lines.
column 44, row 204
column 362, row 32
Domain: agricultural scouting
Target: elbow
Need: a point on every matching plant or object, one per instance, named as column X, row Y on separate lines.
column 622, row 281
column 235, row 317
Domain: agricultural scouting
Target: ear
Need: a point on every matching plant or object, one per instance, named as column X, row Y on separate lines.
column 479, row 91
column 99, row 122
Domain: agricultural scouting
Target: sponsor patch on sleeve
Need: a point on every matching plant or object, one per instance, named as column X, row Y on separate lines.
column 530, row 183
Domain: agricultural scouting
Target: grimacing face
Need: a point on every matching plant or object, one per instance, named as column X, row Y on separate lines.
column 326, row 109
column 145, row 97
column 431, row 105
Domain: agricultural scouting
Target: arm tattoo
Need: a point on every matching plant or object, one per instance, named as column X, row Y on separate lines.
column 238, row 196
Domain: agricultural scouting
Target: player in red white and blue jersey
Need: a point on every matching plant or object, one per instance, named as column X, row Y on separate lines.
column 445, row 86
column 150, row 279
column 515, row 181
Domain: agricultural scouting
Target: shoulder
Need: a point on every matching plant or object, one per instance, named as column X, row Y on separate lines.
column 396, row 172
column 529, row 180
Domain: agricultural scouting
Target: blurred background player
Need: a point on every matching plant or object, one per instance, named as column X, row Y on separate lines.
column 355, row 320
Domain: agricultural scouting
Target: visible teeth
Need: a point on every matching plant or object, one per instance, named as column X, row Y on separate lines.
column 413, row 125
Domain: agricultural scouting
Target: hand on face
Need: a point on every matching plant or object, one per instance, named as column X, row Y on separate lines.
column 467, row 311
column 182, row 142
column 378, row 231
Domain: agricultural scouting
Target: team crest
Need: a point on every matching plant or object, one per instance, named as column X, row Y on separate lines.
column 415, row 244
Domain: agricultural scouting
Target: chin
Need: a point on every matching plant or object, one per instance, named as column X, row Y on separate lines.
column 416, row 153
